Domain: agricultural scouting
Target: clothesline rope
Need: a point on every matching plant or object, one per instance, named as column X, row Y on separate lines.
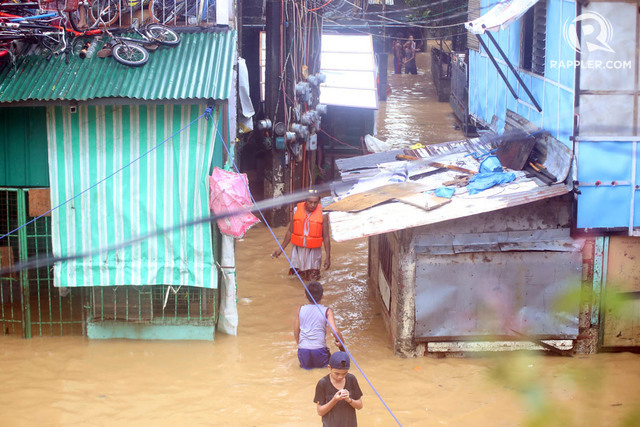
column 307, row 290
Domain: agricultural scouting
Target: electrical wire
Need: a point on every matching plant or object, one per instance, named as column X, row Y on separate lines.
column 335, row 333
column 320, row 7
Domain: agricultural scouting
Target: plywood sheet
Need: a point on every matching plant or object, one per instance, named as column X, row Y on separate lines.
column 361, row 201
column 6, row 257
column 39, row 202
column 623, row 267
column 622, row 321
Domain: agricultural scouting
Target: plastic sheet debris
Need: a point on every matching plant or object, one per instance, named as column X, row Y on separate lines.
column 445, row 192
column 491, row 164
column 229, row 192
column 482, row 181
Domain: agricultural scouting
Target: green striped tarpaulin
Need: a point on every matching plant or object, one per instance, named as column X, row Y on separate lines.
column 166, row 187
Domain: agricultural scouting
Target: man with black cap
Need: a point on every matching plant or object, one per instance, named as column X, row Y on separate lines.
column 338, row 394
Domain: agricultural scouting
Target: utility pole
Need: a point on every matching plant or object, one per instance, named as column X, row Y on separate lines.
column 383, row 60
column 275, row 162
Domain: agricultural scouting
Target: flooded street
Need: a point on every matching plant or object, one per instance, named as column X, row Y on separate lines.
column 254, row 379
column 412, row 112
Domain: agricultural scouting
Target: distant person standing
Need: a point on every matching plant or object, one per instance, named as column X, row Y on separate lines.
column 308, row 231
column 410, row 56
column 398, row 57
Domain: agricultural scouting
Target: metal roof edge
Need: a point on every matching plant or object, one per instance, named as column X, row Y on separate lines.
column 209, row 55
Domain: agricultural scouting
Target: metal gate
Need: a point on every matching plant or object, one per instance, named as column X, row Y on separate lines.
column 29, row 303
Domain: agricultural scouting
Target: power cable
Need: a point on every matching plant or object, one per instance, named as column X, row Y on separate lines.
column 335, row 333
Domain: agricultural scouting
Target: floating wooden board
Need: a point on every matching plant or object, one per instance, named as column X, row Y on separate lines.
column 361, row 201
column 425, row 201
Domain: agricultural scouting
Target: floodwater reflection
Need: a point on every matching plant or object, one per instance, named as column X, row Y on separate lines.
column 412, row 112
column 253, row 379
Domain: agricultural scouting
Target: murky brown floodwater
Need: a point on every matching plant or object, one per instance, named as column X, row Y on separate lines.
column 253, row 379
column 412, row 112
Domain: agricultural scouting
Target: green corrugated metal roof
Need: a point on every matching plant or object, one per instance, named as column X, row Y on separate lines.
column 200, row 67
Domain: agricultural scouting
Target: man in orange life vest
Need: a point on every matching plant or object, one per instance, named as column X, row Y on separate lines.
column 308, row 230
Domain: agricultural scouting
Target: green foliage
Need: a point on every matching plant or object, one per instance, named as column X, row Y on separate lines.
column 526, row 374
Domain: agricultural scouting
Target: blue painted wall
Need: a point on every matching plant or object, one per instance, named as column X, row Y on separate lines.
column 489, row 96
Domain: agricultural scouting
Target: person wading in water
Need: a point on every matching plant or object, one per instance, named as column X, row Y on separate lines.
column 308, row 230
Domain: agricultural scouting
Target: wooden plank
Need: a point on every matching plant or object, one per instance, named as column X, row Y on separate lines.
column 361, row 201
column 424, row 201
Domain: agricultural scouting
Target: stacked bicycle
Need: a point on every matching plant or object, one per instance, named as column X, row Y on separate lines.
column 134, row 51
column 58, row 32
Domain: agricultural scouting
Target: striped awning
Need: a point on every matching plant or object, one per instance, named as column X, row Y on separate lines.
column 167, row 186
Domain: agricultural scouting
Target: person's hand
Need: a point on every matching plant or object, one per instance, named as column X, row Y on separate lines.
column 342, row 394
column 276, row 253
column 327, row 264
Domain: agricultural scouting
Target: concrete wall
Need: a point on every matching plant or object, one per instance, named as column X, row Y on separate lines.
column 399, row 317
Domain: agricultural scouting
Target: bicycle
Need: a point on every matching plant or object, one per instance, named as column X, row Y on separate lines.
column 133, row 51
column 47, row 30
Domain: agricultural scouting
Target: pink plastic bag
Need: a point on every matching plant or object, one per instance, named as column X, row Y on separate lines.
column 229, row 193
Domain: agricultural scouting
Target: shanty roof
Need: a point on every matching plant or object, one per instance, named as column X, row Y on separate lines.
column 200, row 67
column 347, row 61
column 369, row 203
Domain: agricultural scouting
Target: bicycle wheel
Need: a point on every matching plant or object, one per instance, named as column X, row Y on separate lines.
column 104, row 12
column 130, row 54
column 163, row 35
column 164, row 11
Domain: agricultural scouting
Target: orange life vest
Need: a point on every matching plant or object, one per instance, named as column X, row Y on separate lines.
column 311, row 222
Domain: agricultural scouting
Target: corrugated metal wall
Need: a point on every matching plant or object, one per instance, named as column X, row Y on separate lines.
column 23, row 147
column 167, row 186
column 485, row 275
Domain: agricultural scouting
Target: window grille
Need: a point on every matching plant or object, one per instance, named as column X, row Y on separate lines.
column 473, row 12
column 385, row 256
column 533, row 38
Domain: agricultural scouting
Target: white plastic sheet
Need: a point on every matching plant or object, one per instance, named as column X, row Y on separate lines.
column 500, row 16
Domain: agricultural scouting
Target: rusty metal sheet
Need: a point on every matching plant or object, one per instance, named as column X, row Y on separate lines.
column 490, row 293
column 555, row 239
column 514, row 150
